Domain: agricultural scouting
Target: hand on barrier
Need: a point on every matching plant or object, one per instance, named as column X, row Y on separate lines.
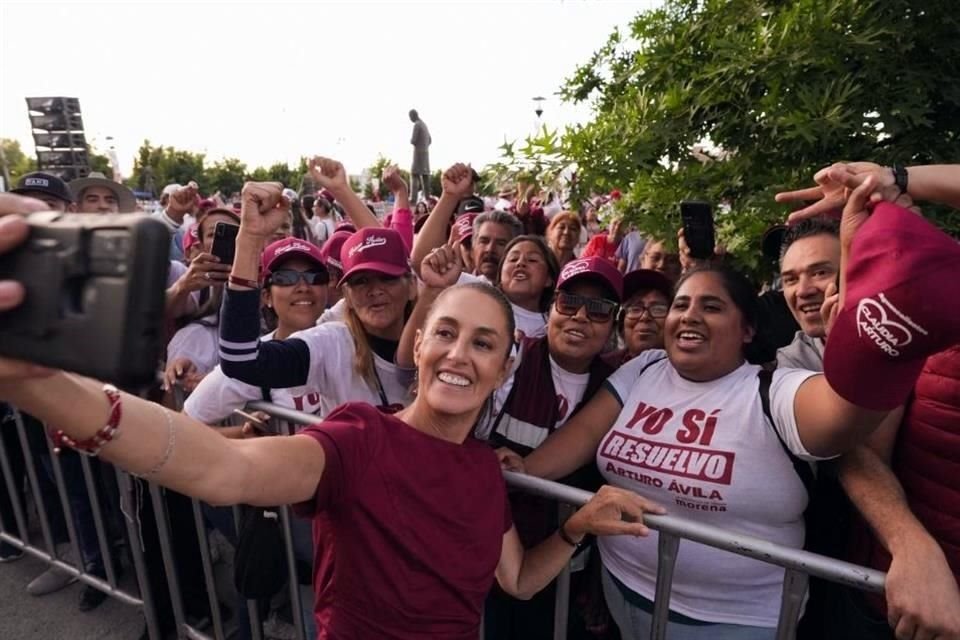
column 263, row 208
column 612, row 511
column 258, row 426
column 458, row 180
column 205, row 269
column 13, row 232
column 181, row 371
column 510, row 460
column 922, row 596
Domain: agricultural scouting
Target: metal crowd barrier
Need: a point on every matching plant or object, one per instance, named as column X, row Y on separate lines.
column 799, row 564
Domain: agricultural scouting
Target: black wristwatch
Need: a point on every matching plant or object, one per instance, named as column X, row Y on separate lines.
column 570, row 541
column 900, row 177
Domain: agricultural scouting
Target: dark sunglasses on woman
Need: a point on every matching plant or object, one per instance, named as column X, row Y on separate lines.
column 290, row 277
column 598, row 309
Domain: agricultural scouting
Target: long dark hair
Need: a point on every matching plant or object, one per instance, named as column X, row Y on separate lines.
column 553, row 267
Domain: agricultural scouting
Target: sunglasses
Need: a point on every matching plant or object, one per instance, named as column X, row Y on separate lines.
column 598, row 309
column 290, row 277
column 656, row 310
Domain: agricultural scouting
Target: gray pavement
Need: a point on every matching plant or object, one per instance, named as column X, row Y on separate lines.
column 55, row 616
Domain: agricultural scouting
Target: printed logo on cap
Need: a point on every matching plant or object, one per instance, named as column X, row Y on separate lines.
column 889, row 335
column 575, row 267
column 368, row 243
column 293, row 246
column 36, row 182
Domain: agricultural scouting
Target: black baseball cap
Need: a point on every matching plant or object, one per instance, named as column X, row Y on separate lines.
column 470, row 204
column 46, row 183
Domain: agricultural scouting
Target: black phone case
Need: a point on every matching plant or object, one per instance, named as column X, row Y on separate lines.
column 225, row 242
column 698, row 228
column 95, row 287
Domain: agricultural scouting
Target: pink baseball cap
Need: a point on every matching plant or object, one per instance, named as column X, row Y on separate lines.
column 190, row 237
column 464, row 225
column 374, row 249
column 901, row 305
column 282, row 249
column 332, row 248
column 595, row 269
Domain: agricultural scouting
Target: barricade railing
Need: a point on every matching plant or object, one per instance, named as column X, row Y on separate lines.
column 798, row 564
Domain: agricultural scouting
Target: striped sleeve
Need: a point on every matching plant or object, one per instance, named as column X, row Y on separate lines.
column 277, row 364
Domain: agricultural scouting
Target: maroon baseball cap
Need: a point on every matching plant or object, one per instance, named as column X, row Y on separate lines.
column 646, row 280
column 332, row 247
column 901, row 305
column 283, row 249
column 596, row 269
column 374, row 249
column 464, row 225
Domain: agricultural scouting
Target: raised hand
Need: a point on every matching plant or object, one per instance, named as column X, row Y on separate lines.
column 329, row 174
column 183, row 199
column 441, row 268
column 833, row 184
column 392, row 178
column 263, row 208
column 458, row 180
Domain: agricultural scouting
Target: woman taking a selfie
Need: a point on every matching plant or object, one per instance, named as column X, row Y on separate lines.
column 418, row 506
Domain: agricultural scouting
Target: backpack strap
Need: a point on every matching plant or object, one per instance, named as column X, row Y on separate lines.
column 803, row 468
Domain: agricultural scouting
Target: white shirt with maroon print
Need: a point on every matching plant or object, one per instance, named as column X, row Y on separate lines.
column 217, row 396
column 705, row 451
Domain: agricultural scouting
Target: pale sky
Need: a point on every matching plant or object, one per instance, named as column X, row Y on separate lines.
column 270, row 81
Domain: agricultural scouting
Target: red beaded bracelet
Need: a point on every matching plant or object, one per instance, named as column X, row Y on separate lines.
column 92, row 445
column 242, row 282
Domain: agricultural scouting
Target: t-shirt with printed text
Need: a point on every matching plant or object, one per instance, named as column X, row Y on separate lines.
column 705, row 450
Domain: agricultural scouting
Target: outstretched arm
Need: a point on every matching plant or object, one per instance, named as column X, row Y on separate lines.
column 331, row 175
column 188, row 456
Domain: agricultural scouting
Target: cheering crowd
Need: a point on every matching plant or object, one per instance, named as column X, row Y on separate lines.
column 460, row 336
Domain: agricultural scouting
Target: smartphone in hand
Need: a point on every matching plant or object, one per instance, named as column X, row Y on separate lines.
column 698, row 228
column 225, row 242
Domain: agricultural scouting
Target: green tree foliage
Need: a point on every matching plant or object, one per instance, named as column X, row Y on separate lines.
column 226, row 176
column 732, row 100
column 375, row 171
column 18, row 162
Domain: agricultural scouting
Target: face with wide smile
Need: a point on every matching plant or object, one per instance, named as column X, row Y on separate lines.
column 807, row 268
column 379, row 301
column 462, row 352
column 525, row 275
column 705, row 331
column 576, row 340
column 299, row 305
column 641, row 330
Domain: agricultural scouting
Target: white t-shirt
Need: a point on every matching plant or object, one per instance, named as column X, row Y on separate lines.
column 706, row 451
column 569, row 388
column 198, row 342
column 322, row 228
column 336, row 313
column 217, row 396
column 333, row 376
column 532, row 324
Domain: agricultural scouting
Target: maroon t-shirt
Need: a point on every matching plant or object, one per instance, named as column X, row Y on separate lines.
column 418, row 524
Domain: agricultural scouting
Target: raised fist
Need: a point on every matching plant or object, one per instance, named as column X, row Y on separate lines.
column 183, row 199
column 263, row 208
column 458, row 181
column 392, row 178
column 329, row 174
